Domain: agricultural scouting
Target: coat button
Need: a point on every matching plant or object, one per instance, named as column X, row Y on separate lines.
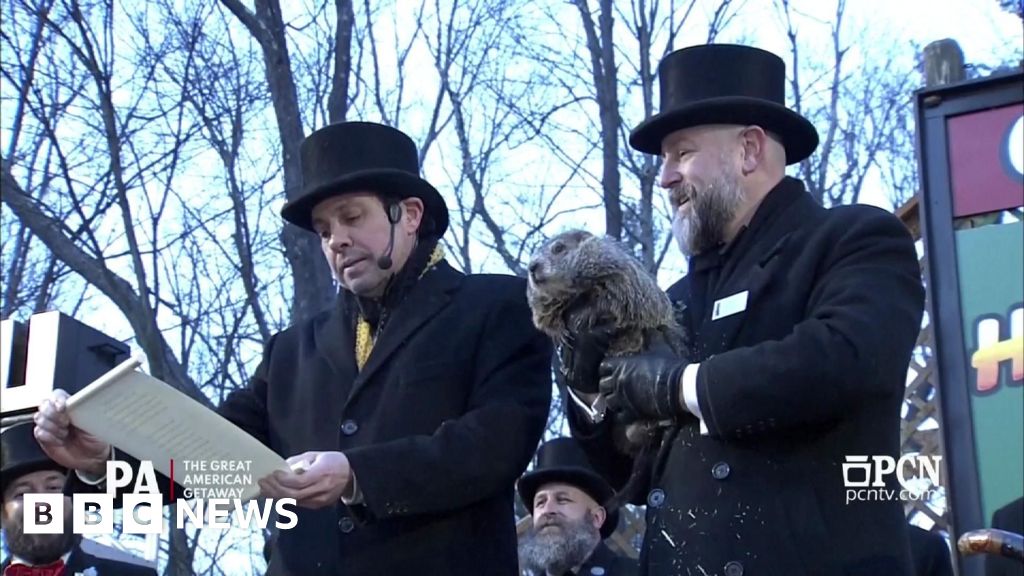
column 346, row 525
column 720, row 471
column 349, row 427
column 656, row 498
column 733, row 568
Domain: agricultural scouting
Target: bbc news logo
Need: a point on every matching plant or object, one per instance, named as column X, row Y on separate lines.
column 142, row 508
column 864, row 477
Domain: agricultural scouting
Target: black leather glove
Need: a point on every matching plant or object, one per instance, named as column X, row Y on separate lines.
column 581, row 357
column 646, row 386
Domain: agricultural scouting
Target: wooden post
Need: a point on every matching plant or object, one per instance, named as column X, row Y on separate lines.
column 943, row 63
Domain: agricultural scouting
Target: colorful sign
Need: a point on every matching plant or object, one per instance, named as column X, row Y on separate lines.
column 990, row 260
column 986, row 160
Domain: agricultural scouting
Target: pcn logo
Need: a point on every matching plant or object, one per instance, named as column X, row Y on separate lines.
column 864, row 477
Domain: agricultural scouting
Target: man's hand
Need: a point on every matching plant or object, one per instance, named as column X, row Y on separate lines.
column 65, row 444
column 646, row 386
column 581, row 357
column 319, row 481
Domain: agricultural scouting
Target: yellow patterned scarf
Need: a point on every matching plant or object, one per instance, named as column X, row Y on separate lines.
column 364, row 334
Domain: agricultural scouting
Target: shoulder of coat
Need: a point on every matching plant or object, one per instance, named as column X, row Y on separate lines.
column 499, row 282
column 860, row 213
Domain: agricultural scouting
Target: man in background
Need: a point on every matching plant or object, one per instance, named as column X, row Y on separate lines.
column 25, row 469
column 564, row 496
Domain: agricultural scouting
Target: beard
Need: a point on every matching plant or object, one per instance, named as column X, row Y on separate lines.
column 558, row 545
column 711, row 211
column 37, row 548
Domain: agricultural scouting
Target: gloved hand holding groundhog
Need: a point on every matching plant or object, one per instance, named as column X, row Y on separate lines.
column 644, row 386
column 647, row 386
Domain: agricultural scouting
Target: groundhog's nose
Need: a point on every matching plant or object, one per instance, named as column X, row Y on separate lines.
column 536, row 274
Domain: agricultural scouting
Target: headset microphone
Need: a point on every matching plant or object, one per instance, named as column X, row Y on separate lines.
column 394, row 215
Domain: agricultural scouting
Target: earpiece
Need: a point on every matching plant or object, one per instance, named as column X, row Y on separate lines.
column 394, row 215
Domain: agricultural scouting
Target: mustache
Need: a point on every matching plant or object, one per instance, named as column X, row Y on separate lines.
column 550, row 521
column 680, row 194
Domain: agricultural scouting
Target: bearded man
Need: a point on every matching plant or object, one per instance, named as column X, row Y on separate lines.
column 25, row 469
column 801, row 321
column 564, row 496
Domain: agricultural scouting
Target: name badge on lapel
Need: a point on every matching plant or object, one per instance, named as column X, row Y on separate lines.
column 730, row 305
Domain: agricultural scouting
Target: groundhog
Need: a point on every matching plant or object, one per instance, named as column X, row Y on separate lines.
column 578, row 281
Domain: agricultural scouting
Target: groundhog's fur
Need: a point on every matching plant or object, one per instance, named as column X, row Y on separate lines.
column 578, row 281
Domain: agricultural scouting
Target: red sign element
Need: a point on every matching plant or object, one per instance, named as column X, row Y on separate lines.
column 985, row 170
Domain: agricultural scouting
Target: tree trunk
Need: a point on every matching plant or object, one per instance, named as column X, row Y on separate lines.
column 601, row 46
column 311, row 279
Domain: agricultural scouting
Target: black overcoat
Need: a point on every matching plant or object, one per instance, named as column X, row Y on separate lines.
column 438, row 425
column 810, row 370
column 929, row 553
column 604, row 562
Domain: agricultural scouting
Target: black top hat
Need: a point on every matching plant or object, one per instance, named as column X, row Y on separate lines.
column 562, row 460
column 20, row 454
column 362, row 156
column 725, row 84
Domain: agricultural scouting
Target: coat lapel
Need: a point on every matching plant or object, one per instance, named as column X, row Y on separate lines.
column 602, row 558
column 424, row 301
column 335, row 342
column 733, row 301
column 753, row 266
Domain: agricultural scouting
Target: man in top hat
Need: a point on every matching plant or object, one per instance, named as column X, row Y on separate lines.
column 25, row 469
column 801, row 321
column 565, row 496
column 414, row 404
